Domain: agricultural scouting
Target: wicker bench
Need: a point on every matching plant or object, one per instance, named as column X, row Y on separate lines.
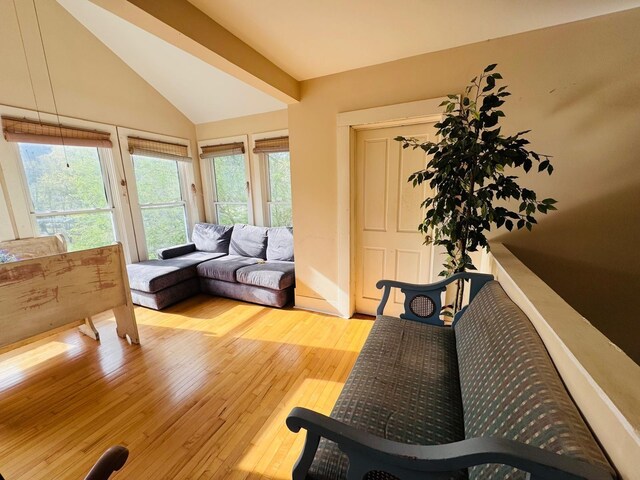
column 481, row 399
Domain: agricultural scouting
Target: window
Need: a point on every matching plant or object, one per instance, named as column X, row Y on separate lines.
column 69, row 193
column 231, row 195
column 274, row 152
column 227, row 168
column 161, row 200
column 279, row 189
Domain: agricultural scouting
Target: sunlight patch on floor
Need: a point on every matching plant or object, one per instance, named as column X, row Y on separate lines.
column 215, row 325
column 332, row 324
column 274, row 449
column 14, row 367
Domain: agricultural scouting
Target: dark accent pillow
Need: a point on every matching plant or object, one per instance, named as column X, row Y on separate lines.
column 212, row 238
column 249, row 241
column 280, row 244
column 175, row 251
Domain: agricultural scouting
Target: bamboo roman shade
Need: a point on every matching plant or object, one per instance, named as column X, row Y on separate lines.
column 157, row 149
column 272, row 145
column 210, row 151
column 32, row 131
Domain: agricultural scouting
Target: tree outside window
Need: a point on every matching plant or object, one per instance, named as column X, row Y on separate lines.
column 69, row 194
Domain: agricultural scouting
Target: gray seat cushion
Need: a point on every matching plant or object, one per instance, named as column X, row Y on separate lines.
column 273, row 275
column 224, row 268
column 280, row 244
column 212, row 238
column 403, row 387
column 249, row 241
column 510, row 387
column 154, row 275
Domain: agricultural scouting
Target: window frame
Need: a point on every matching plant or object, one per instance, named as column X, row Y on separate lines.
column 268, row 202
column 103, row 159
column 17, row 202
column 151, row 206
column 260, row 159
column 186, row 177
column 209, row 184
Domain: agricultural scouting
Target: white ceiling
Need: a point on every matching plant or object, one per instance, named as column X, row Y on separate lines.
column 309, row 39
column 312, row 38
column 201, row 92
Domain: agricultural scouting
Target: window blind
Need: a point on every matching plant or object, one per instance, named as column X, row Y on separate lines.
column 272, row 145
column 210, row 151
column 157, row 149
column 31, row 131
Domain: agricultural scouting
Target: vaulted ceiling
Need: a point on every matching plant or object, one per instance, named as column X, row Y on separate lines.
column 294, row 40
column 310, row 39
column 200, row 91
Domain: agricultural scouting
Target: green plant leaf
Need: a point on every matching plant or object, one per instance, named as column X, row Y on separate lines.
column 465, row 171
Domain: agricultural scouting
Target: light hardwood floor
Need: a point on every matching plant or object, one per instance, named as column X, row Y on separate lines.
column 204, row 396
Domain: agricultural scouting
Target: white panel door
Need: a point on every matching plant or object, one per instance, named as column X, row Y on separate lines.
column 388, row 243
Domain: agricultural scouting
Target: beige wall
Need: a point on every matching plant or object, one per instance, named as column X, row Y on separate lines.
column 90, row 82
column 575, row 86
column 249, row 125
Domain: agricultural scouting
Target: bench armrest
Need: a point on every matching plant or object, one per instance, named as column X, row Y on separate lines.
column 110, row 461
column 423, row 303
column 367, row 452
column 175, row 251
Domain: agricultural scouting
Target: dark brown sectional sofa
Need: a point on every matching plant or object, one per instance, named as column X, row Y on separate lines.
column 245, row 262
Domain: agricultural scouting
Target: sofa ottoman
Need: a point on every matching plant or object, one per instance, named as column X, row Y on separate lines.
column 159, row 283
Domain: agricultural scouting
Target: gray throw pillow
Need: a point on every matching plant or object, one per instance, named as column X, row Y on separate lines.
column 280, row 244
column 212, row 238
column 248, row 241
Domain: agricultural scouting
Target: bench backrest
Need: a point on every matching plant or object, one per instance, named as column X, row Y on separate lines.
column 510, row 388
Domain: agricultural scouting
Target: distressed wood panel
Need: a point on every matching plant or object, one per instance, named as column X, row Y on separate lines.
column 375, row 184
column 45, row 293
column 26, row 248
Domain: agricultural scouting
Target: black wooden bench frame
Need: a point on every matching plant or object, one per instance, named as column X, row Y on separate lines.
column 367, row 452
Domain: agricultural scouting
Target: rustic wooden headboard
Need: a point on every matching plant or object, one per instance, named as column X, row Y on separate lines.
column 34, row 247
column 45, row 293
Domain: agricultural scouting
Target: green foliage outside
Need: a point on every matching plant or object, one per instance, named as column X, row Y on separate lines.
column 232, row 195
column 231, row 190
column 158, row 182
column 163, row 227
column 62, row 179
column 280, row 189
column 472, row 172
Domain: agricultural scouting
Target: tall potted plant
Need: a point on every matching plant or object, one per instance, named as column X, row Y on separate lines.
column 472, row 170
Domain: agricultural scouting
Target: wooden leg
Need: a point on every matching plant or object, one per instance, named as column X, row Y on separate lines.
column 126, row 323
column 89, row 329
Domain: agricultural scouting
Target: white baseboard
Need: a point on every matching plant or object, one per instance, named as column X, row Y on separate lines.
column 319, row 305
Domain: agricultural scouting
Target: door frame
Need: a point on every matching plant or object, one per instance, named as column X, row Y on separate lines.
column 422, row 111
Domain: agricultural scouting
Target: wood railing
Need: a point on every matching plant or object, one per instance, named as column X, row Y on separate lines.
column 603, row 381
